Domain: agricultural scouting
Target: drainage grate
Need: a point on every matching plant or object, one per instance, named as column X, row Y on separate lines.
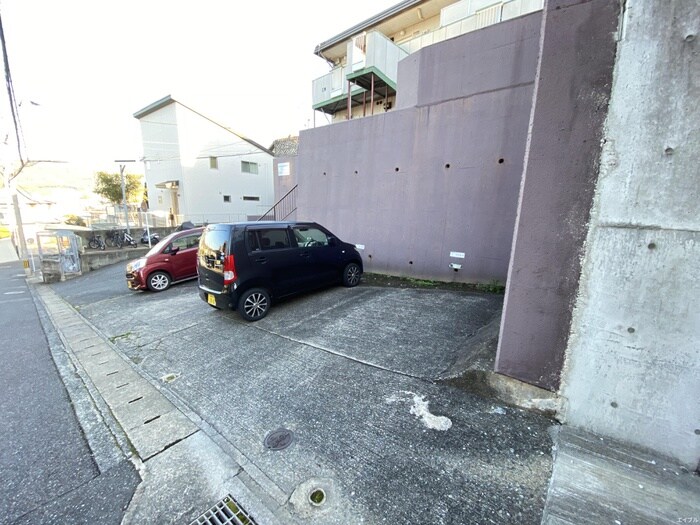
column 227, row 512
column 279, row 439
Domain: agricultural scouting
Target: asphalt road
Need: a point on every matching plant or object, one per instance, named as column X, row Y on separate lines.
column 46, row 466
column 351, row 372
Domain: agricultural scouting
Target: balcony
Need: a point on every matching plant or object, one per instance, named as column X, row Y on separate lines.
column 372, row 64
column 330, row 92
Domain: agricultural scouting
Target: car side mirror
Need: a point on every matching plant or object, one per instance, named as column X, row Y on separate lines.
column 332, row 241
column 174, row 250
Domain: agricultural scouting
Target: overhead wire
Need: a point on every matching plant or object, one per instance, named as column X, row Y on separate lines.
column 11, row 94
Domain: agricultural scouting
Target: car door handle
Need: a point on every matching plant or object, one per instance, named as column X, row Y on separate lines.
column 262, row 260
column 305, row 254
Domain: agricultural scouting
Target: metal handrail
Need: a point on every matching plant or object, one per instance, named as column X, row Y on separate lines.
column 283, row 208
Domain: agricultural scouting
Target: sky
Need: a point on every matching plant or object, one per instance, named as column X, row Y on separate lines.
column 82, row 68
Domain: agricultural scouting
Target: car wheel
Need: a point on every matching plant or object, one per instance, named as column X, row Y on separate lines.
column 254, row 304
column 351, row 275
column 158, row 281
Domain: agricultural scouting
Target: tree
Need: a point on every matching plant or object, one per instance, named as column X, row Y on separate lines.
column 75, row 220
column 109, row 186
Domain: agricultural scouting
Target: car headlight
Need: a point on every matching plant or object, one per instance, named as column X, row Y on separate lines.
column 137, row 264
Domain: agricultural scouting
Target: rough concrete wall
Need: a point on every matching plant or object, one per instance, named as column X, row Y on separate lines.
column 573, row 86
column 416, row 184
column 633, row 361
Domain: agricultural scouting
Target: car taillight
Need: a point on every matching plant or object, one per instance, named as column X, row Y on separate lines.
column 229, row 269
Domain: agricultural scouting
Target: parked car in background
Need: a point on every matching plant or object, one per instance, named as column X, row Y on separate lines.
column 248, row 265
column 172, row 260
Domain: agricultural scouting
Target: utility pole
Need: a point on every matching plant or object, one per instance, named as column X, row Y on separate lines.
column 122, row 166
column 126, row 211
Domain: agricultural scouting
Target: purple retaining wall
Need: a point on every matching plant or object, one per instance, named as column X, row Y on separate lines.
column 415, row 184
column 574, row 82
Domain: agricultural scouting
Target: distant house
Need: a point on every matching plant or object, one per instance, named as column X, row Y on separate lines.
column 200, row 170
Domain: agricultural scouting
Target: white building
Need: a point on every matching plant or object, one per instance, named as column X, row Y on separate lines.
column 200, row 170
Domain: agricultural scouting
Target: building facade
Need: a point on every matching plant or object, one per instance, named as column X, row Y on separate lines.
column 199, row 170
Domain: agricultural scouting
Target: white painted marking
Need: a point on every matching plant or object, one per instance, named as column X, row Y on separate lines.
column 13, row 293
column 457, row 255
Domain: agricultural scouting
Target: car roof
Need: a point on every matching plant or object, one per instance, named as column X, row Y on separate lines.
column 172, row 235
column 260, row 223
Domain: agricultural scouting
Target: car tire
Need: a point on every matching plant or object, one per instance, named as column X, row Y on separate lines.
column 254, row 304
column 158, row 281
column 352, row 275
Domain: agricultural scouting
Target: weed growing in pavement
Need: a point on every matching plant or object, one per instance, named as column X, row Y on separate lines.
column 493, row 286
column 421, row 282
column 125, row 335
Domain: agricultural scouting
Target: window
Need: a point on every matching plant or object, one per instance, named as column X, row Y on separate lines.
column 306, row 236
column 189, row 241
column 227, row 198
column 213, row 163
column 250, row 198
column 271, row 239
column 249, row 167
column 213, row 249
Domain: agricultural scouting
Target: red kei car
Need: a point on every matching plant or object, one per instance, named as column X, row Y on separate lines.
column 172, row 260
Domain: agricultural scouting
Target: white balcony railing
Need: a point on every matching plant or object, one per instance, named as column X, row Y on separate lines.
column 374, row 50
column 331, row 86
column 370, row 50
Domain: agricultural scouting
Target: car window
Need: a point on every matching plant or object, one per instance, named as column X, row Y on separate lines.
column 184, row 242
column 252, row 239
column 273, row 238
column 308, row 236
column 212, row 249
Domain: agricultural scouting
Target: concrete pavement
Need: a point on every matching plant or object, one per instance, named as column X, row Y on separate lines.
column 355, row 376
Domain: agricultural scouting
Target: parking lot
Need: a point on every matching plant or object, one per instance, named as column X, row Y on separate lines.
column 354, row 374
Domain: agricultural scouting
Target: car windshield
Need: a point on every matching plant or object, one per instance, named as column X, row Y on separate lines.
column 158, row 247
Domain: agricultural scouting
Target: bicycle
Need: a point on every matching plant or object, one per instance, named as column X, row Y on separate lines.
column 96, row 242
column 115, row 239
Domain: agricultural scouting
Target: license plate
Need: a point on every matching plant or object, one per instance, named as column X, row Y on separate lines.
column 211, row 299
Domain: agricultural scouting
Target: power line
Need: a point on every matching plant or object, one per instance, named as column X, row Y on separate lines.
column 11, row 93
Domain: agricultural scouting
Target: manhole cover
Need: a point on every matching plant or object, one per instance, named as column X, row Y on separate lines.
column 279, row 439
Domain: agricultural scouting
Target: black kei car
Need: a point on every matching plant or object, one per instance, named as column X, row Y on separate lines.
column 247, row 265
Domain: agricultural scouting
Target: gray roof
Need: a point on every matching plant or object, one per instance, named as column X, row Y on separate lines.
column 362, row 26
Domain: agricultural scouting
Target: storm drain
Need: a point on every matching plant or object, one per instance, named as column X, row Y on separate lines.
column 227, row 511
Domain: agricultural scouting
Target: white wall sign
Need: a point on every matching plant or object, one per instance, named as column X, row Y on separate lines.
column 457, row 255
column 283, row 169
column 360, row 246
